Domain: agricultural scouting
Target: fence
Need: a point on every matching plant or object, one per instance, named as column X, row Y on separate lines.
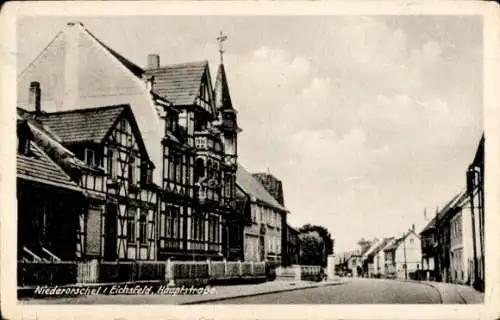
column 72, row 272
column 42, row 273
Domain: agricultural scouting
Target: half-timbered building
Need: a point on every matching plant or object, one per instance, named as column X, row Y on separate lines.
column 199, row 161
column 119, row 223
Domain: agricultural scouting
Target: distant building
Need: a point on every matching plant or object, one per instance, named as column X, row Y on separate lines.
column 379, row 257
column 404, row 255
column 275, row 188
column 434, row 244
column 292, row 247
column 263, row 235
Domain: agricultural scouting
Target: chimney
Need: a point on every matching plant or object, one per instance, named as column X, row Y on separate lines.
column 413, row 227
column 35, row 96
column 153, row 61
column 150, row 83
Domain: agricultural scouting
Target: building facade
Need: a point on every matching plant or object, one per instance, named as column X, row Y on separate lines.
column 403, row 256
column 263, row 235
column 379, row 257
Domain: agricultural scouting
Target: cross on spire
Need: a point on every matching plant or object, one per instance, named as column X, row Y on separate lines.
column 221, row 38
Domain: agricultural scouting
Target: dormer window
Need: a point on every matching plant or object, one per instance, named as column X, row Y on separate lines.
column 90, row 157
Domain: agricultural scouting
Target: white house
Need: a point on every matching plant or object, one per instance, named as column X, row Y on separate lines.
column 408, row 254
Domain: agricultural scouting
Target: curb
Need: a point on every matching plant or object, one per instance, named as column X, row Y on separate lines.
column 244, row 295
column 429, row 285
column 457, row 292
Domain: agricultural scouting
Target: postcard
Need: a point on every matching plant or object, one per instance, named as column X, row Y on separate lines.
column 255, row 160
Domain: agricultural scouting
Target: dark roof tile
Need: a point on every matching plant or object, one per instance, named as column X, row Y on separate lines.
column 39, row 167
column 253, row 188
column 179, row 83
column 82, row 125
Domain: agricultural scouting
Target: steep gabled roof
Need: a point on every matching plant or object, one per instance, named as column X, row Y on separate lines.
column 50, row 143
column 179, row 83
column 432, row 224
column 383, row 244
column 393, row 245
column 90, row 125
column 38, row 167
column 251, row 187
column 82, row 125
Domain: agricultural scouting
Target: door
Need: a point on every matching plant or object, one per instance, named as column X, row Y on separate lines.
column 110, row 233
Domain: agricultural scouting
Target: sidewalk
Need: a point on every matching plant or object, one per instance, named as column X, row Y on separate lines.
column 456, row 293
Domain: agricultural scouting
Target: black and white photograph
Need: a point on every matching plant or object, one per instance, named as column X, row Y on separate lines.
column 251, row 159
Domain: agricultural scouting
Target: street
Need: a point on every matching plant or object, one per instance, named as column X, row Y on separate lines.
column 347, row 291
column 357, row 291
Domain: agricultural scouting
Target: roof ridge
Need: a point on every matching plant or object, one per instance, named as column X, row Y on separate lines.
column 182, row 64
column 88, row 109
column 246, row 172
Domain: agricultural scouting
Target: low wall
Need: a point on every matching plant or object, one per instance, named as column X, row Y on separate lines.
column 300, row 272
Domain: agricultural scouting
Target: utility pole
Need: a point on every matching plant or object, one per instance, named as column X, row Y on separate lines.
column 404, row 251
column 471, row 177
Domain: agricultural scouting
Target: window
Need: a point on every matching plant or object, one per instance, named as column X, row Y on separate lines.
column 171, row 167
column 131, row 225
column 163, row 222
column 411, row 241
column 178, row 169
column 175, row 211
column 143, row 227
column 111, row 164
column 197, row 228
column 131, row 170
column 146, row 174
column 90, row 157
column 199, row 169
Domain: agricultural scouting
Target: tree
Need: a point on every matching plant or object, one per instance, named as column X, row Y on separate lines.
column 323, row 232
column 312, row 248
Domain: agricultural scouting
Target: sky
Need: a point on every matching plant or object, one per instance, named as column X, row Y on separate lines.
column 368, row 121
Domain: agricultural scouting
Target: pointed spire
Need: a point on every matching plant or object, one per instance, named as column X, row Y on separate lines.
column 222, row 96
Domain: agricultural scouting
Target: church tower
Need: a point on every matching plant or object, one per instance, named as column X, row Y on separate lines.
column 228, row 127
